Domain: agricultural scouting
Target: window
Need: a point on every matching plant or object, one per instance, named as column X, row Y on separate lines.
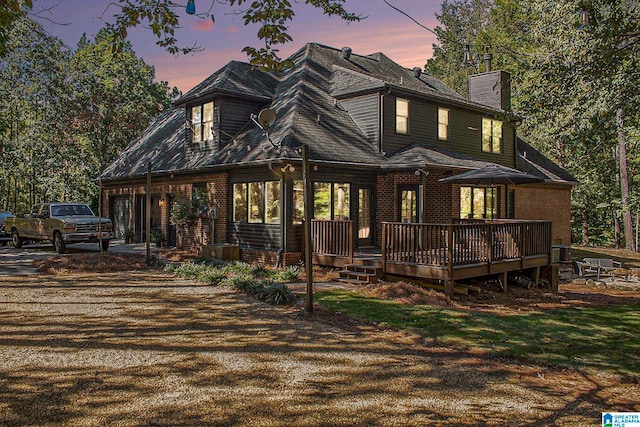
column 408, row 206
column 272, row 202
column 331, row 200
column 239, row 202
column 322, row 200
column 478, row 202
column 443, row 124
column 402, row 116
column 491, row 135
column 298, row 201
column 257, row 202
column 202, row 122
column 340, row 201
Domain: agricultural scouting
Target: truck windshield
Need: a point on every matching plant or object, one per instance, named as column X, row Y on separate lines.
column 70, row 210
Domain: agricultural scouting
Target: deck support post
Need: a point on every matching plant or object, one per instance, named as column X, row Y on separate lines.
column 505, row 277
column 536, row 275
column 308, row 244
column 448, row 289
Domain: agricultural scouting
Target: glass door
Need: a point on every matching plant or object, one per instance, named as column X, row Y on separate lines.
column 364, row 225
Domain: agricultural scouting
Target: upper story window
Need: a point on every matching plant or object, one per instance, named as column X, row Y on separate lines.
column 202, row 122
column 443, row 124
column 491, row 135
column 402, row 116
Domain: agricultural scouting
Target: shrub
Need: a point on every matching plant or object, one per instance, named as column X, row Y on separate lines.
column 278, row 293
column 241, row 282
column 211, row 275
column 291, row 273
column 242, row 268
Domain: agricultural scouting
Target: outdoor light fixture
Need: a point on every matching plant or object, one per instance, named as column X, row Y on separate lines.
column 288, row 168
column 161, row 202
column 191, row 7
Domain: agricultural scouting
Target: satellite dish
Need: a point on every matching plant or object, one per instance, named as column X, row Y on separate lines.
column 266, row 118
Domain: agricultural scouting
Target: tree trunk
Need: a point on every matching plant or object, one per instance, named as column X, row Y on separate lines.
column 616, row 225
column 624, row 181
column 585, row 222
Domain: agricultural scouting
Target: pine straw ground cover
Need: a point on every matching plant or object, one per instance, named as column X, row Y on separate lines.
column 144, row 348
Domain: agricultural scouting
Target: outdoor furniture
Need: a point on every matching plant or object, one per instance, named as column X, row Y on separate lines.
column 597, row 266
column 622, row 273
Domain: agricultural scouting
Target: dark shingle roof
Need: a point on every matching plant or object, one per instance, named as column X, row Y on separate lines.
column 419, row 156
column 306, row 111
column 238, row 78
column 532, row 161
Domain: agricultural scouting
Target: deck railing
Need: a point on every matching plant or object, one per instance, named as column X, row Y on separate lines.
column 464, row 243
column 332, row 238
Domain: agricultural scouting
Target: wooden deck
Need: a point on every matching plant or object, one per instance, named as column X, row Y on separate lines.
column 446, row 252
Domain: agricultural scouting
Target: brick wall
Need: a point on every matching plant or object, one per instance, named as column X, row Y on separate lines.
column 439, row 203
column 269, row 258
column 197, row 234
column 549, row 204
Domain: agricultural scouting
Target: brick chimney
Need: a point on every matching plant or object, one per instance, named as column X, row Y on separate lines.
column 492, row 88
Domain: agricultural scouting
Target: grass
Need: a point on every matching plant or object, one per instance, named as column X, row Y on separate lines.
column 627, row 258
column 601, row 338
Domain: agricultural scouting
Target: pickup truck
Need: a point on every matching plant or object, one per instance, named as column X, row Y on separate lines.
column 62, row 224
column 4, row 236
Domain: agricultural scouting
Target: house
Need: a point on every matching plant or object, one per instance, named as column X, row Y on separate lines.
column 379, row 136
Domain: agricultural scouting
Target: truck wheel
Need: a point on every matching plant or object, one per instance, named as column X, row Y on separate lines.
column 17, row 240
column 59, row 244
column 104, row 244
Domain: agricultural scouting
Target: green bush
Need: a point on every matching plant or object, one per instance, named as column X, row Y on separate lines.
column 243, row 277
column 211, row 275
column 278, row 293
column 288, row 274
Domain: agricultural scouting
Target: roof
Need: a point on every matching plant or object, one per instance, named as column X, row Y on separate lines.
column 534, row 162
column 238, row 78
column 419, row 156
column 304, row 100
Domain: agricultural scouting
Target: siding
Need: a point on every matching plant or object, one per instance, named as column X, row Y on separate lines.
column 234, row 115
column 465, row 131
column 255, row 236
column 364, row 111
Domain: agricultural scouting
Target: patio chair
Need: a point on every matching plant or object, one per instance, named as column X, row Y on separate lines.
column 588, row 267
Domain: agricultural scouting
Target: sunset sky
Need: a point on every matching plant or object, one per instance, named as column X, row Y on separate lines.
column 384, row 30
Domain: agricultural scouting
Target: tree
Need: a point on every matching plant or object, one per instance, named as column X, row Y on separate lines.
column 114, row 97
column 161, row 17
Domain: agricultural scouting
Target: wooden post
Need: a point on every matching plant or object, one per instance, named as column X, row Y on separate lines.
column 505, row 277
column 100, row 214
column 148, row 214
column 308, row 245
column 448, row 289
column 384, row 248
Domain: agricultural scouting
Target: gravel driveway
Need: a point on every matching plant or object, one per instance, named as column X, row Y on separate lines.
column 146, row 349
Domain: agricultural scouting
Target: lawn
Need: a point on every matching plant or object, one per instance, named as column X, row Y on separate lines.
column 594, row 337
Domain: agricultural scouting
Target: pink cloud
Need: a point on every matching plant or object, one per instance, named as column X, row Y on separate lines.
column 232, row 30
column 203, row 25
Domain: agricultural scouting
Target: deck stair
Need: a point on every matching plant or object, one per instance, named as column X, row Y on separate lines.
column 361, row 272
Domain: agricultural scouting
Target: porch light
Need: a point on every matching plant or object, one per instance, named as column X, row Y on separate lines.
column 288, row 168
column 161, row 202
column 191, row 7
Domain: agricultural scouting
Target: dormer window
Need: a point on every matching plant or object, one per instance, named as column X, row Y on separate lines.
column 202, row 122
column 491, row 136
column 402, row 116
column 443, row 124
